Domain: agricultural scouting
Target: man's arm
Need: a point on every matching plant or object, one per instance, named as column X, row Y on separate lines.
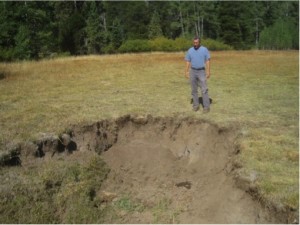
column 207, row 68
column 187, row 69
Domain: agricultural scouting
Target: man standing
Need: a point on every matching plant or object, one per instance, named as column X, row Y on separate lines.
column 198, row 70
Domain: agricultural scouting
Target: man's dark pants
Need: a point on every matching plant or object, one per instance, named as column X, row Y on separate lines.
column 198, row 78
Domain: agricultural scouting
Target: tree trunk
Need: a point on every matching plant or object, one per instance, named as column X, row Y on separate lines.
column 104, row 22
column 202, row 27
column 181, row 22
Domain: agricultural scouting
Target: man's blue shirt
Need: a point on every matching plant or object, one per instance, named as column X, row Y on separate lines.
column 198, row 57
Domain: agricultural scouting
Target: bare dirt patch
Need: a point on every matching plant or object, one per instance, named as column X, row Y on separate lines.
column 162, row 170
column 184, row 165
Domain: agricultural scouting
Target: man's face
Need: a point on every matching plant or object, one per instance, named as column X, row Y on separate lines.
column 196, row 43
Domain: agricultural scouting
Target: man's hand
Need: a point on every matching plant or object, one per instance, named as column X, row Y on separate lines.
column 187, row 69
column 207, row 68
column 207, row 74
column 187, row 74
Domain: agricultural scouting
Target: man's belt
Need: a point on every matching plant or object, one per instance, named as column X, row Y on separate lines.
column 201, row 68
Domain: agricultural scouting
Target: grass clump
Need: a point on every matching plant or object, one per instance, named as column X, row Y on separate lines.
column 126, row 203
column 163, row 213
column 56, row 192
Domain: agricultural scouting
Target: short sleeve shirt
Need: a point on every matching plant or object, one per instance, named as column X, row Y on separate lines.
column 198, row 57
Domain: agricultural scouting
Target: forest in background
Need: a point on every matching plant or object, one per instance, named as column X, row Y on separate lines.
column 39, row 29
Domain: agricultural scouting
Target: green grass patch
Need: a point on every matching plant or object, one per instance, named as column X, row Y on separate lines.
column 162, row 212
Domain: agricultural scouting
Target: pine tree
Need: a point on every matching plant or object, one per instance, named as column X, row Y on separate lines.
column 93, row 30
column 71, row 24
column 36, row 20
column 116, row 34
column 154, row 27
column 237, row 23
column 23, row 48
column 135, row 19
column 7, row 31
column 230, row 28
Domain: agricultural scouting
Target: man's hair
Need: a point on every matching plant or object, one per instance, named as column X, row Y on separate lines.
column 196, row 38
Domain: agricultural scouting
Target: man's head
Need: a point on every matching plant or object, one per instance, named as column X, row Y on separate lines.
column 196, row 42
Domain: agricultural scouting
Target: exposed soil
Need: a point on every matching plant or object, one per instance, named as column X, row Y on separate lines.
column 186, row 163
column 178, row 170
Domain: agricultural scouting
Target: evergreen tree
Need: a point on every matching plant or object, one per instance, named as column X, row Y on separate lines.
column 154, row 27
column 93, row 30
column 7, row 31
column 171, row 19
column 36, row 19
column 247, row 24
column 71, row 24
column 230, row 28
column 210, row 26
column 22, row 40
column 116, row 34
column 272, row 12
column 136, row 20
column 238, row 24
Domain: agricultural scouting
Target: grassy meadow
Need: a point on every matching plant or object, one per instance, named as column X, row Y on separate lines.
column 256, row 91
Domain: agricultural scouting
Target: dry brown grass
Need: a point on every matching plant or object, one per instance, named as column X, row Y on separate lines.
column 255, row 90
